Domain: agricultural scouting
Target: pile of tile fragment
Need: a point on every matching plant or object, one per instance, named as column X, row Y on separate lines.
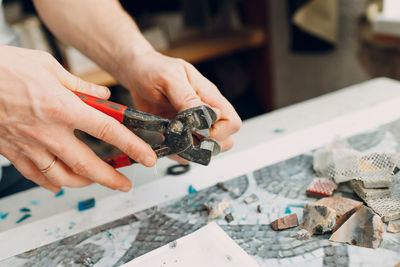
column 348, row 220
column 369, row 176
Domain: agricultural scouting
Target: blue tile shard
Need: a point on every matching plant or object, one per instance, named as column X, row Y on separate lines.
column 86, row 204
column 35, row 202
column 288, row 207
column 279, row 130
column 192, row 190
column 71, row 225
column 24, row 210
column 60, row 193
column 23, row 218
column 109, row 235
column 3, row 215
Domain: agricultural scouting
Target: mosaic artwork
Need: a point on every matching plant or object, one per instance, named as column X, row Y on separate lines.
column 280, row 189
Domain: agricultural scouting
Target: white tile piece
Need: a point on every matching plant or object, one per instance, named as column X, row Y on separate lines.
column 208, row 246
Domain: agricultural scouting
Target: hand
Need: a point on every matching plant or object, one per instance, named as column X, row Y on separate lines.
column 163, row 86
column 38, row 114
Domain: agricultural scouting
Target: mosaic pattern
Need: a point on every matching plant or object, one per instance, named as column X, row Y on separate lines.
column 194, row 203
column 394, row 129
column 262, row 241
column 336, row 256
column 277, row 186
column 365, row 141
column 155, row 232
column 70, row 251
column 289, row 178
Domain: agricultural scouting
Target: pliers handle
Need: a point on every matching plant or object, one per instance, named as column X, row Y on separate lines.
column 166, row 137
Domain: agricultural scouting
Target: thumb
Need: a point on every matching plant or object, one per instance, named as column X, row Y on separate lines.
column 75, row 83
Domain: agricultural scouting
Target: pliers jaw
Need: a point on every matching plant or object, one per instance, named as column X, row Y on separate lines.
column 179, row 138
column 202, row 153
column 194, row 119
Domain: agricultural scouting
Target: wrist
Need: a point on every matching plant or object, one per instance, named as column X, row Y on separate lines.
column 136, row 47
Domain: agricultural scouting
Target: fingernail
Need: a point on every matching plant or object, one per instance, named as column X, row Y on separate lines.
column 125, row 188
column 56, row 190
column 104, row 91
column 149, row 161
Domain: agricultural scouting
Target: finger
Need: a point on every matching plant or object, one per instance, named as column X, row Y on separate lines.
column 59, row 174
column 228, row 121
column 111, row 131
column 62, row 175
column 30, row 171
column 84, row 162
column 223, row 129
column 75, row 83
column 180, row 92
column 227, row 143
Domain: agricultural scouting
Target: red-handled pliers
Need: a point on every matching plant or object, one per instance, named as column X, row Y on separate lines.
column 166, row 137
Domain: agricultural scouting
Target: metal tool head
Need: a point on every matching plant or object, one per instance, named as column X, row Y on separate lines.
column 198, row 120
column 174, row 136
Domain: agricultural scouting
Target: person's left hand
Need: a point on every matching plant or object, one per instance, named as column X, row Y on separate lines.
column 163, row 86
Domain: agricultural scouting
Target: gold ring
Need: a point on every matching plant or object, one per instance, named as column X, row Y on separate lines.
column 50, row 166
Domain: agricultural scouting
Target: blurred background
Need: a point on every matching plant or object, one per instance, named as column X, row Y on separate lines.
column 262, row 54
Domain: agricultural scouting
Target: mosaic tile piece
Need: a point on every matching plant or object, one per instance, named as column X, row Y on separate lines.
column 387, row 208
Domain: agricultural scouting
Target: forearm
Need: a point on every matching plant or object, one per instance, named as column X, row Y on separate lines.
column 100, row 29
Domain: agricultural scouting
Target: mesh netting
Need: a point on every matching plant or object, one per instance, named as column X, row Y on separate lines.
column 387, row 208
column 342, row 164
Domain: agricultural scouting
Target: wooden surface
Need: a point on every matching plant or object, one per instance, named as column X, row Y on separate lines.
column 196, row 51
column 207, row 48
column 99, row 77
column 379, row 54
column 382, row 41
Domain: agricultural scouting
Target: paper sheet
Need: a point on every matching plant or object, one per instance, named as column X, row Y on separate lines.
column 208, row 246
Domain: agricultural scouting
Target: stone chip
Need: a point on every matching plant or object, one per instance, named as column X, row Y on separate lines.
column 377, row 181
column 344, row 208
column 229, row 217
column 303, row 234
column 318, row 219
column 393, row 227
column 217, row 208
column 367, row 194
column 259, row 208
column 250, row 199
column 288, row 221
column 364, row 228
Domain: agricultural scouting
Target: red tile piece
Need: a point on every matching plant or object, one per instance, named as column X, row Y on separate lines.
column 320, row 187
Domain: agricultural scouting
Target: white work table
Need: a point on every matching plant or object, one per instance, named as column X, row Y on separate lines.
column 262, row 140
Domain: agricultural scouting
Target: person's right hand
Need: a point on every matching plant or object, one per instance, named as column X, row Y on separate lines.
column 38, row 116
